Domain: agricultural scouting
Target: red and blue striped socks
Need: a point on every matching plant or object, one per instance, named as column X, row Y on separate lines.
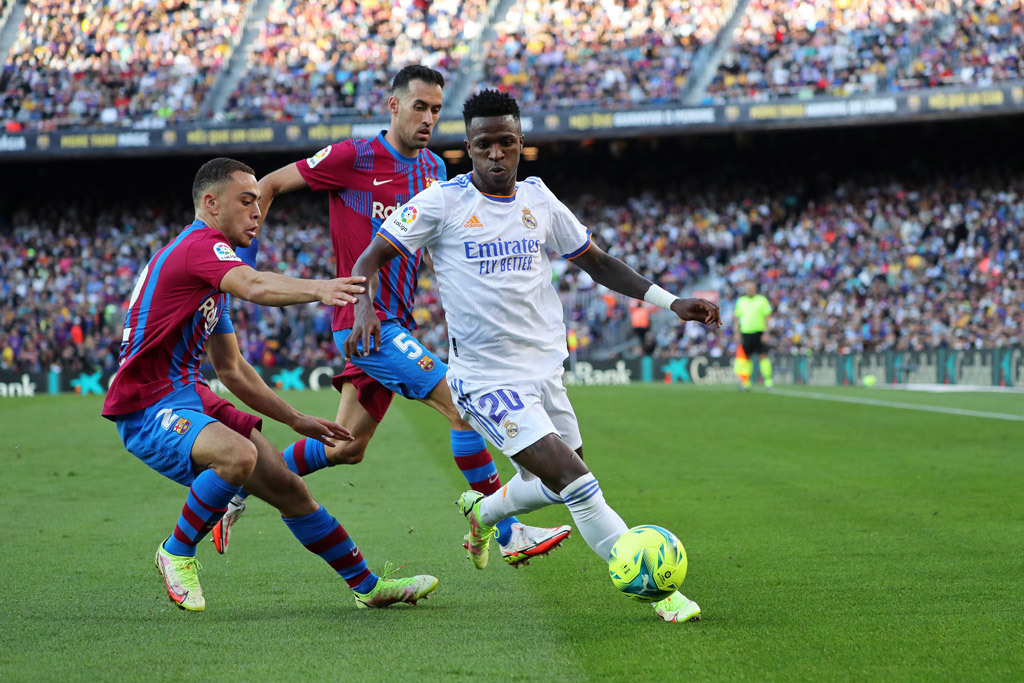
column 323, row 536
column 473, row 458
column 206, row 503
column 305, row 456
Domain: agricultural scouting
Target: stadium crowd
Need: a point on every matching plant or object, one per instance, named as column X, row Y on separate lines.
column 141, row 63
column 797, row 48
column 315, row 60
column 609, row 54
column 150, row 63
column 870, row 265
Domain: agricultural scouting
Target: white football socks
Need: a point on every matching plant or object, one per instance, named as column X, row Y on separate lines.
column 600, row 525
column 516, row 497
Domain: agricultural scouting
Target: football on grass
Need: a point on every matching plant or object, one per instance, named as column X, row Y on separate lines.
column 647, row 563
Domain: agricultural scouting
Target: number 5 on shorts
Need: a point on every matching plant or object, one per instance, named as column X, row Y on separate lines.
column 409, row 346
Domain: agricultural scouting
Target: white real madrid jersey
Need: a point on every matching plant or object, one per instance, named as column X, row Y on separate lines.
column 491, row 259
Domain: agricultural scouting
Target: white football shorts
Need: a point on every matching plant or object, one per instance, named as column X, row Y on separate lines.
column 514, row 415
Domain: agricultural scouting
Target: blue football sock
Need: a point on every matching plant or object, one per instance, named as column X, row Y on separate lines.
column 305, row 456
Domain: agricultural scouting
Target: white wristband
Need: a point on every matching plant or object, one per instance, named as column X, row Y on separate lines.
column 659, row 297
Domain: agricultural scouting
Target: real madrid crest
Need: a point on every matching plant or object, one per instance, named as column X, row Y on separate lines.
column 529, row 220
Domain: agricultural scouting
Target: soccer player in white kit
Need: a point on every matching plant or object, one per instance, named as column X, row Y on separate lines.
column 489, row 237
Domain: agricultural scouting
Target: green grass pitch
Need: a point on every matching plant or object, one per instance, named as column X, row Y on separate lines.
column 826, row 541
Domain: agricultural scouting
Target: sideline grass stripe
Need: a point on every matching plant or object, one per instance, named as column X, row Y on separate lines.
column 896, row 404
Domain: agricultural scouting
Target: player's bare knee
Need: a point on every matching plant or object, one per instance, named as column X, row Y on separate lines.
column 239, row 464
column 245, row 459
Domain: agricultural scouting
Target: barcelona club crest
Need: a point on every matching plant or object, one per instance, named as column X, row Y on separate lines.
column 426, row 364
column 528, row 220
column 181, row 426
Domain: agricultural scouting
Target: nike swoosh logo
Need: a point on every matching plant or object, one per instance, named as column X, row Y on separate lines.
column 381, row 182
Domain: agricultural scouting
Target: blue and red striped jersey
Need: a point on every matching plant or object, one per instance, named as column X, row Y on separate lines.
column 368, row 179
column 175, row 306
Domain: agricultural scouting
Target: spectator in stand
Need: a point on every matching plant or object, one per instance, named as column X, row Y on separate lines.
column 316, row 60
column 151, row 63
column 980, row 44
column 117, row 63
column 798, row 48
column 869, row 265
column 608, row 54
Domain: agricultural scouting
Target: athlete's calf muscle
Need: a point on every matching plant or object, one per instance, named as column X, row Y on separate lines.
column 552, row 461
column 274, row 483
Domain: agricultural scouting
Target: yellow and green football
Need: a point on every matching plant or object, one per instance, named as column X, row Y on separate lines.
column 647, row 563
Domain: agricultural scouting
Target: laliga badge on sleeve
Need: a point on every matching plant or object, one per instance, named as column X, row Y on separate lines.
column 319, row 156
column 225, row 253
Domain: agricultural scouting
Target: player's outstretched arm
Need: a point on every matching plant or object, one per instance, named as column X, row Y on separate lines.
column 366, row 325
column 616, row 275
column 283, row 180
column 271, row 289
column 242, row 380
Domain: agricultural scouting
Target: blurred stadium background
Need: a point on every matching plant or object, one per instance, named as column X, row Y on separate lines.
column 859, row 158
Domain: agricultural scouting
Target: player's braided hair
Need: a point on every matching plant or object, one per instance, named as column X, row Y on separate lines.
column 416, row 72
column 490, row 103
column 213, row 174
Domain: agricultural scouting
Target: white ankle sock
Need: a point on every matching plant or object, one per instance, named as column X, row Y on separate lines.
column 516, row 497
column 600, row 525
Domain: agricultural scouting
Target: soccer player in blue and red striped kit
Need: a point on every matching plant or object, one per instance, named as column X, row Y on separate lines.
column 367, row 179
column 170, row 419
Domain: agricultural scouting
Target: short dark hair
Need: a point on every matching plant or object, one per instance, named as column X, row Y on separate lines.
column 213, row 173
column 416, row 72
column 490, row 103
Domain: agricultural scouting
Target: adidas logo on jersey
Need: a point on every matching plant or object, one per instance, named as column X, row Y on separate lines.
column 473, row 222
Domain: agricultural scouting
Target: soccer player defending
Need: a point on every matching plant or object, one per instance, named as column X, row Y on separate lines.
column 489, row 238
column 170, row 419
column 367, row 181
column 750, row 323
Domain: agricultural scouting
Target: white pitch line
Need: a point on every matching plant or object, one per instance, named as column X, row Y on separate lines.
column 894, row 404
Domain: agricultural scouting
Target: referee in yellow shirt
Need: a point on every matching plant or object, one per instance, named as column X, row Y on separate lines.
column 750, row 322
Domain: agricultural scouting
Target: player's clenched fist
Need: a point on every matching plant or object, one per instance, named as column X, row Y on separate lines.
column 339, row 291
column 699, row 310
